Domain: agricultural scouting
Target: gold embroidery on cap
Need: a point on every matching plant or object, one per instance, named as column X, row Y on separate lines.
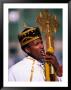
column 26, row 42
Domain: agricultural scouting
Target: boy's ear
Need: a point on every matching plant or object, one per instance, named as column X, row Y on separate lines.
column 27, row 50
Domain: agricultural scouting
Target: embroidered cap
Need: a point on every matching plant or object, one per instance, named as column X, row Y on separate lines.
column 28, row 34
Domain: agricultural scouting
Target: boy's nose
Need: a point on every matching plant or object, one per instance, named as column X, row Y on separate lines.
column 41, row 46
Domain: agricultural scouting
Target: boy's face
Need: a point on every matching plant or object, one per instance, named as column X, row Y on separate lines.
column 37, row 49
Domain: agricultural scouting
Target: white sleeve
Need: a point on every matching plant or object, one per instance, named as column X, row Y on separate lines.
column 11, row 76
column 59, row 78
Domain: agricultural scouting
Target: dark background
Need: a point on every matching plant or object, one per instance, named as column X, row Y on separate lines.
column 1, row 32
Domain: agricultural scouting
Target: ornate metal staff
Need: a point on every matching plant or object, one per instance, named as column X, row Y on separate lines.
column 48, row 24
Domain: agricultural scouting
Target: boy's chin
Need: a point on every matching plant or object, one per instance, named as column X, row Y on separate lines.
column 42, row 57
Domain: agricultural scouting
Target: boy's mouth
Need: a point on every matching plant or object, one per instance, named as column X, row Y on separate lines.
column 42, row 53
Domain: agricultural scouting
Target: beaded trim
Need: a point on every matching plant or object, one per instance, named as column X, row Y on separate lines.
column 32, row 70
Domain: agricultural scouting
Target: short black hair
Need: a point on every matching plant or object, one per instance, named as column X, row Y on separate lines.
column 25, row 46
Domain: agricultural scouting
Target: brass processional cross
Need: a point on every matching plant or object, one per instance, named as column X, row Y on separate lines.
column 48, row 24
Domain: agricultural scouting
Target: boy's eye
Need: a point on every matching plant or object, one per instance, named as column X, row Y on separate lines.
column 41, row 42
column 37, row 43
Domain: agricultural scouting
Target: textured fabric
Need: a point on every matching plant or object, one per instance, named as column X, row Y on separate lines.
column 22, row 70
column 28, row 34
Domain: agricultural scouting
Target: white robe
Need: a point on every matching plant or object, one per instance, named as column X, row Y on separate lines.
column 22, row 71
